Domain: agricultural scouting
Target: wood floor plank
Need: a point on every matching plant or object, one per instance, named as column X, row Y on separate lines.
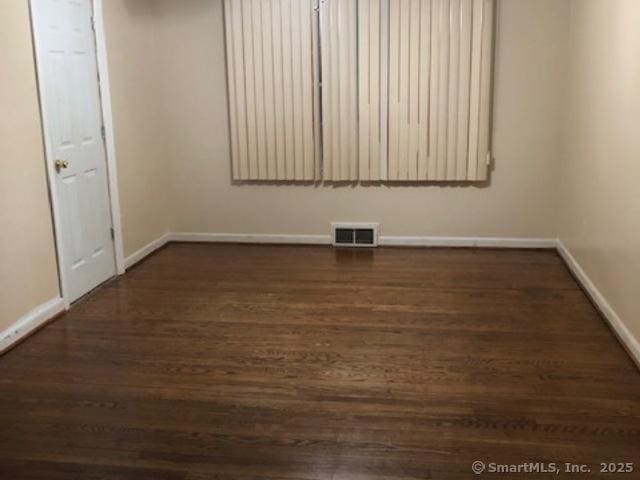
column 289, row 362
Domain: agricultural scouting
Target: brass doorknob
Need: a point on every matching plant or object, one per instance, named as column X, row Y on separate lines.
column 61, row 164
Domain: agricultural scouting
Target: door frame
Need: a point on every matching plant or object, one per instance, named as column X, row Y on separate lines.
column 110, row 151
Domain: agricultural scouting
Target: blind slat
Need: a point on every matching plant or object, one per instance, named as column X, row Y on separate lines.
column 269, row 90
column 365, row 8
column 414, row 90
column 404, row 99
column 306, row 78
column 374, row 91
column 454, row 89
column 474, row 103
column 257, row 28
column 434, row 89
column 233, row 104
column 485, row 89
column 462, row 138
column 340, row 132
column 394, row 91
column 424, row 101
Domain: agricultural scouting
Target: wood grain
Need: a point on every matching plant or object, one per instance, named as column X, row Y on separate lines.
column 290, row 362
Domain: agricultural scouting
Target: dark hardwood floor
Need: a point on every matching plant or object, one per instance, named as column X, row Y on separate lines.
column 279, row 362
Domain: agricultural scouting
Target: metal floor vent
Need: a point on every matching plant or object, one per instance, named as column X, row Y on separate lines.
column 355, row 234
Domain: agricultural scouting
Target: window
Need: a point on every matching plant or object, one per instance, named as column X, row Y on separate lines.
column 360, row 90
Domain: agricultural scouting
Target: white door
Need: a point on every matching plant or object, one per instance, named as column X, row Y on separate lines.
column 72, row 117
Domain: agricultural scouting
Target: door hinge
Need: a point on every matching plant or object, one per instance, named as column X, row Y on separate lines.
column 103, row 132
column 489, row 159
column 113, row 233
column 93, row 23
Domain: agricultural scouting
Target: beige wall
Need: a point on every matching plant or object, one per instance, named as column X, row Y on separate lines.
column 28, row 274
column 520, row 202
column 600, row 178
column 143, row 173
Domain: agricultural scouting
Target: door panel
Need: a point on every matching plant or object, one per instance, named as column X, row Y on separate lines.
column 70, row 97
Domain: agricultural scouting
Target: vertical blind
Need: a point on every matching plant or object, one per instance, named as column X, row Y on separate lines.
column 439, row 89
column 360, row 90
column 270, row 67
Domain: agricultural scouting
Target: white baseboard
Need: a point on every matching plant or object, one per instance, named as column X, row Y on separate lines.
column 486, row 242
column 147, row 250
column 252, row 238
column 30, row 322
column 479, row 242
column 624, row 335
